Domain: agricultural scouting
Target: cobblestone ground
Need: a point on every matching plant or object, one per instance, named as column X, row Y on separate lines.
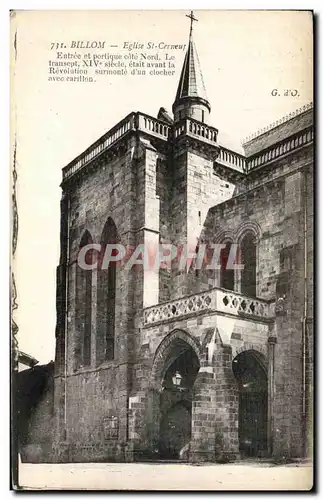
column 166, row 476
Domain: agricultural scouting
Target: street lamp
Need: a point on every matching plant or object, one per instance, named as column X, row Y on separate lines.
column 177, row 379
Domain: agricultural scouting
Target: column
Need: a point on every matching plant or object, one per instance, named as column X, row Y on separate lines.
column 215, row 411
column 271, row 394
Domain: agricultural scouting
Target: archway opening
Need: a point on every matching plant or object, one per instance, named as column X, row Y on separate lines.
column 178, row 376
column 251, row 377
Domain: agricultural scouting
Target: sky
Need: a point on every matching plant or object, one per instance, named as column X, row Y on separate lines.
column 244, row 55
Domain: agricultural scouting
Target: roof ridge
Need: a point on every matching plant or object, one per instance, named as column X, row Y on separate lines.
column 278, row 122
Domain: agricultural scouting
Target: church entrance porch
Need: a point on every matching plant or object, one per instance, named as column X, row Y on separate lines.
column 204, row 400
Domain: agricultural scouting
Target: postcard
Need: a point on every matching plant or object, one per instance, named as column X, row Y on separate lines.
column 162, row 250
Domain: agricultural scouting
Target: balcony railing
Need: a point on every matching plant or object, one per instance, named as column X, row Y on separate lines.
column 194, row 128
column 134, row 121
column 104, row 143
column 214, row 300
column 152, row 126
column 231, row 159
column 189, row 127
column 278, row 150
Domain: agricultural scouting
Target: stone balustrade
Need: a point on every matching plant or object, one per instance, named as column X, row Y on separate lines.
column 104, row 143
column 152, row 126
column 196, row 129
column 231, row 159
column 214, row 300
column 134, row 121
column 193, row 128
column 278, row 150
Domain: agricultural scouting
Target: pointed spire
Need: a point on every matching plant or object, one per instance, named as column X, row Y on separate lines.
column 191, row 84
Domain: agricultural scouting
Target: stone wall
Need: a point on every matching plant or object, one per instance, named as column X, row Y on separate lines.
column 197, row 188
column 122, row 186
column 275, row 205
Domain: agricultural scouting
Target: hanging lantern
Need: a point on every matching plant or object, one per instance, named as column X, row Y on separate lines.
column 177, row 379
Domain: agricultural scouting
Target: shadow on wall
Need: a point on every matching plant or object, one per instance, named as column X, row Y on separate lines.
column 35, row 411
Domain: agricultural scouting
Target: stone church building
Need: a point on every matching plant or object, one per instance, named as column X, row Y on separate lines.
column 197, row 364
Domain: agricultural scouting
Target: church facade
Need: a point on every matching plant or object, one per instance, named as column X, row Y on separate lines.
column 201, row 363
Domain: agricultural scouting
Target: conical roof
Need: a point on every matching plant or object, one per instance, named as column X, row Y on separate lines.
column 191, row 83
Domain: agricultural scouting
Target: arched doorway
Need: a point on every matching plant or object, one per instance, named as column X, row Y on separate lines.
column 251, row 376
column 181, row 366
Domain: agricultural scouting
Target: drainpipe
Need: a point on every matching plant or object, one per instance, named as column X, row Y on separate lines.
column 304, row 322
column 272, row 340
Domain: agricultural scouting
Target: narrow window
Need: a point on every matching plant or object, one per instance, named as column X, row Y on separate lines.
column 226, row 274
column 106, row 298
column 84, row 308
column 249, row 260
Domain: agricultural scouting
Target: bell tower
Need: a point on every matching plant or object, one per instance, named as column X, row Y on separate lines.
column 196, row 187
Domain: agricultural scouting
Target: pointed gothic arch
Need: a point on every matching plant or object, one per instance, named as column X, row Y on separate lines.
column 84, row 307
column 106, row 298
column 178, row 355
column 170, row 348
